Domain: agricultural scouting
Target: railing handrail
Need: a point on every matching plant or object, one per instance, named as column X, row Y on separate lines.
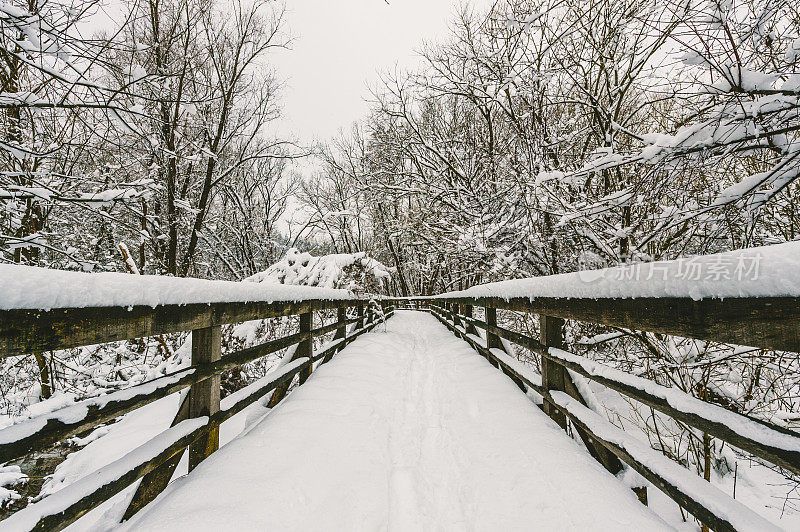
column 35, row 330
column 748, row 297
column 764, row 321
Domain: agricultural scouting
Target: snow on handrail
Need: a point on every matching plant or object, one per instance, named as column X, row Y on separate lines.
column 29, row 287
column 766, row 271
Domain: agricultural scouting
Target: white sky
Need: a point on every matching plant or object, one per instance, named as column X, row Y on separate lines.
column 338, row 49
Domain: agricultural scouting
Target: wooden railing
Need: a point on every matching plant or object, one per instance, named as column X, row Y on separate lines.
column 764, row 322
column 201, row 412
column 772, row 323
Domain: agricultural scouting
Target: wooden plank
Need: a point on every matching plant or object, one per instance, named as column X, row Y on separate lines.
column 28, row 331
column 204, row 396
column 781, row 457
column 766, row 322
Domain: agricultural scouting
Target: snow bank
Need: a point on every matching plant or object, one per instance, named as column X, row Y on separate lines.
column 28, row 287
column 10, row 476
column 327, row 271
column 755, row 272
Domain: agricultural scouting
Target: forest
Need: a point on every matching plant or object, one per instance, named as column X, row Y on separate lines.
column 537, row 137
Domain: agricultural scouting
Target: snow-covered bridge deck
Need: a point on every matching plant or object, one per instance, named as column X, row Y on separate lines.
column 407, row 429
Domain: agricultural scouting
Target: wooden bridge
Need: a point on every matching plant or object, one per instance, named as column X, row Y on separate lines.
column 389, row 401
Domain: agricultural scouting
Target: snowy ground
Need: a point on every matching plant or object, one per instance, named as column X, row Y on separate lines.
column 404, row 430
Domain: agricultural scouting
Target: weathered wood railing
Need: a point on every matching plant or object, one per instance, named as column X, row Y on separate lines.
column 765, row 322
column 201, row 412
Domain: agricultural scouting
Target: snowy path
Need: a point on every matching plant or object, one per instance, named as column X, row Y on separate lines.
column 404, row 430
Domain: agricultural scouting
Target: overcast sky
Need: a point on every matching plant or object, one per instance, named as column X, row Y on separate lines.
column 338, row 48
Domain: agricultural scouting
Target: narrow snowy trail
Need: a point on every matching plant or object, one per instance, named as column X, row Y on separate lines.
column 407, row 429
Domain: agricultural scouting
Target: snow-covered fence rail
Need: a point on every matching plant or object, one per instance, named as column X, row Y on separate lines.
column 36, row 317
column 766, row 317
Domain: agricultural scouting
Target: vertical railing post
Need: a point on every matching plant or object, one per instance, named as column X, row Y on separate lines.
column 456, row 320
column 554, row 376
column 204, row 396
column 305, row 348
column 470, row 327
column 360, row 313
column 341, row 319
column 370, row 310
column 492, row 340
